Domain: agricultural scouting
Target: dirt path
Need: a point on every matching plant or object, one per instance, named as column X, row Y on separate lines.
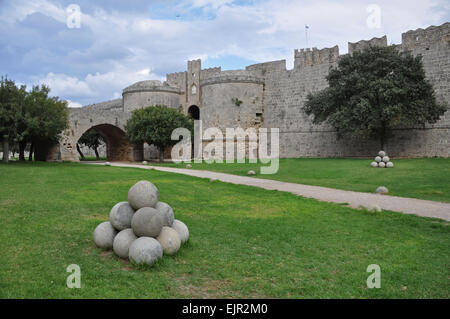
column 404, row 205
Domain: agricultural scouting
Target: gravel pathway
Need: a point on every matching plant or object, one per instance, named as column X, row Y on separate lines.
column 404, row 205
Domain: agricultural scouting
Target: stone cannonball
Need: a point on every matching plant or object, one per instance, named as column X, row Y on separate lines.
column 386, row 159
column 382, row 190
column 381, row 164
column 382, row 153
column 181, row 229
column 167, row 212
column 104, row 235
column 143, row 194
column 374, row 164
column 145, row 250
column 373, row 208
column 377, row 159
column 170, row 240
column 389, row 164
column 123, row 241
column 120, row 215
column 147, row 221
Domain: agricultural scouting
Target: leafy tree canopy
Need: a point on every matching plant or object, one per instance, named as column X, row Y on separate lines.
column 91, row 138
column 30, row 116
column 154, row 125
column 11, row 109
column 46, row 117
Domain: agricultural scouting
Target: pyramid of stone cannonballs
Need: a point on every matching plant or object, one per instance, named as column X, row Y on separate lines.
column 382, row 161
column 143, row 228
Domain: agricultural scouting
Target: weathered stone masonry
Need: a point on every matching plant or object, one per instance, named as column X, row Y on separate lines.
column 271, row 96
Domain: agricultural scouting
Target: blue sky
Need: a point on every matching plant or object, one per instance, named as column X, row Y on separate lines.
column 121, row 42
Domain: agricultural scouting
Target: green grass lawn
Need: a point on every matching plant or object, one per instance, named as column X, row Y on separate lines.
column 92, row 158
column 424, row 178
column 244, row 241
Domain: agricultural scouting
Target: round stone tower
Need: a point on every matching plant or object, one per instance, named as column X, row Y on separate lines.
column 149, row 93
column 232, row 99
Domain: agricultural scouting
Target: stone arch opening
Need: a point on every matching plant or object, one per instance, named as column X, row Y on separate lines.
column 194, row 112
column 118, row 148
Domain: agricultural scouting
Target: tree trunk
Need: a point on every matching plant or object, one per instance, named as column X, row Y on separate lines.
column 30, row 156
column 96, row 154
column 383, row 137
column 79, row 151
column 5, row 148
column 161, row 154
column 22, row 146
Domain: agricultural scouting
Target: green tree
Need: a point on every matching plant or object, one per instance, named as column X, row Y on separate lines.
column 29, row 117
column 373, row 91
column 45, row 117
column 11, row 113
column 92, row 139
column 154, row 125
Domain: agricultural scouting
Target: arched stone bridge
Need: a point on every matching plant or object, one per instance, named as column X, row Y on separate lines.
column 109, row 119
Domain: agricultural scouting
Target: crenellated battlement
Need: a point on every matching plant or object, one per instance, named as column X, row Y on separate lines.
column 433, row 35
column 262, row 69
column 215, row 69
column 364, row 44
column 308, row 57
column 177, row 79
column 206, row 73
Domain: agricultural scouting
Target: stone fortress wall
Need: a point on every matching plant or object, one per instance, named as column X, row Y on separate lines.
column 286, row 91
column 271, row 96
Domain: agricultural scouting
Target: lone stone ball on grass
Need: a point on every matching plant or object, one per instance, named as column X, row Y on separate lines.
column 123, row 241
column 143, row 194
column 148, row 222
column 382, row 190
column 104, row 235
column 121, row 215
column 373, row 208
column 145, row 250
column 170, row 240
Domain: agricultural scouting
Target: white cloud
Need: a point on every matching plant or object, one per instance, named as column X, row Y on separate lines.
column 213, row 3
column 63, row 85
column 18, row 10
column 73, row 104
column 130, row 46
column 93, row 86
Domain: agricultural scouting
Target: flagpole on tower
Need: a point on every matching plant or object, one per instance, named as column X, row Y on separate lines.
column 306, row 34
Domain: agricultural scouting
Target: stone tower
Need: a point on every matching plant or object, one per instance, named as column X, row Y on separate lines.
column 193, row 82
